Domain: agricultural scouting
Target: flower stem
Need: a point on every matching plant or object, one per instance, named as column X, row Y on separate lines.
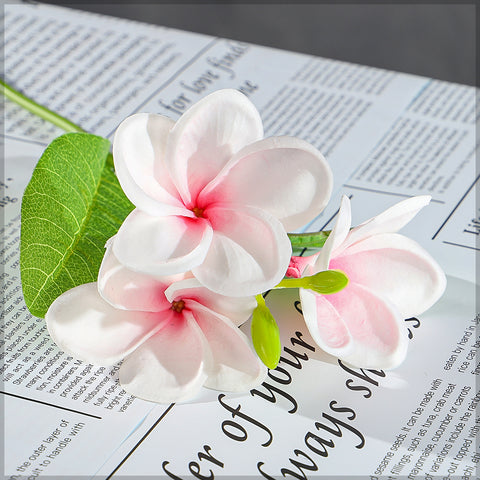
column 39, row 110
column 292, row 283
column 325, row 282
column 260, row 300
column 310, row 239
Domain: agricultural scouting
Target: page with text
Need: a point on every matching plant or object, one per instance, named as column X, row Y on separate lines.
column 386, row 135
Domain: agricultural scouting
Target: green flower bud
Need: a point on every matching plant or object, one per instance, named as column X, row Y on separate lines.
column 265, row 334
column 326, row 282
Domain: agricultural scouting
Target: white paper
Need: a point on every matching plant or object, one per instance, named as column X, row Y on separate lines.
column 386, row 135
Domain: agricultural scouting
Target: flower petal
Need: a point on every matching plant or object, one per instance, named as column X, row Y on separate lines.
column 285, row 176
column 138, row 152
column 324, row 323
column 84, row 325
column 378, row 334
column 162, row 245
column 236, row 309
column 249, row 254
column 337, row 235
column 205, row 138
column 396, row 268
column 389, row 221
column 128, row 290
column 235, row 367
column 171, row 366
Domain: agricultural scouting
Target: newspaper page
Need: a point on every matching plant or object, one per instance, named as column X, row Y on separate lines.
column 386, row 135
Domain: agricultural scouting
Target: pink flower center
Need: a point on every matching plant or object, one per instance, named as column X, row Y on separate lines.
column 178, row 306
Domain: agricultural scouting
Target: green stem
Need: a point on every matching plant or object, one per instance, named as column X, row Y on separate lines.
column 325, row 282
column 310, row 239
column 260, row 300
column 39, row 110
column 292, row 283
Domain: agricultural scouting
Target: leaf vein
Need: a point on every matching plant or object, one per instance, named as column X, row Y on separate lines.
column 65, row 182
column 36, row 217
column 56, row 201
column 85, row 161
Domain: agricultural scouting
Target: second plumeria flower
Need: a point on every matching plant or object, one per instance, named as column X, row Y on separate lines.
column 213, row 196
column 391, row 278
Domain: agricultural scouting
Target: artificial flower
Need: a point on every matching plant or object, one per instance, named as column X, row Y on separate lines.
column 213, row 196
column 390, row 278
column 173, row 335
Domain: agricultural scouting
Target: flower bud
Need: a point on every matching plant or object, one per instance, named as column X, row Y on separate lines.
column 326, row 282
column 265, row 335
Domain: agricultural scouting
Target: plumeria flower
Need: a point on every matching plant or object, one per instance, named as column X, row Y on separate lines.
column 213, row 196
column 390, row 278
column 173, row 334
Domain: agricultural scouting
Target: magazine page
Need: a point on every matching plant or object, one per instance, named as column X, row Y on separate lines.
column 386, row 135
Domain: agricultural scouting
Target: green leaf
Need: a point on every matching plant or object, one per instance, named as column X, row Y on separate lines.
column 308, row 240
column 304, row 251
column 71, row 207
column 265, row 335
column 326, row 282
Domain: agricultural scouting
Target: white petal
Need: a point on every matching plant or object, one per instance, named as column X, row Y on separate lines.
column 235, row 367
column 249, row 254
column 379, row 336
column 396, row 268
column 205, row 138
column 324, row 323
column 359, row 327
column 389, row 221
column 162, row 245
column 138, row 152
column 285, row 176
column 129, row 290
column 84, row 325
column 236, row 309
column 171, row 366
column 337, row 235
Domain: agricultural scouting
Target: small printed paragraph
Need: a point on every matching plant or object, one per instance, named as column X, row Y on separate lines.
column 438, row 438
column 48, row 450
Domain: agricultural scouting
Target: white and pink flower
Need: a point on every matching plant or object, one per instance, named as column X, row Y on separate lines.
column 390, row 278
column 214, row 201
column 213, row 197
column 173, row 335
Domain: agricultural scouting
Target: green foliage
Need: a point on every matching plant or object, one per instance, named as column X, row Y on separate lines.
column 71, row 207
column 308, row 240
column 304, row 251
column 265, row 334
